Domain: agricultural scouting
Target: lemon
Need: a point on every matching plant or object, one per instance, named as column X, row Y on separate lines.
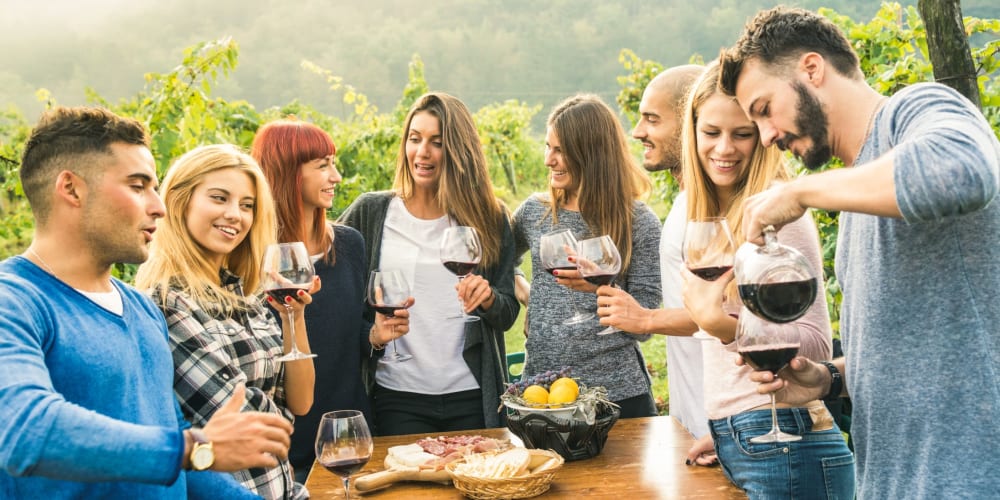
column 568, row 382
column 535, row 394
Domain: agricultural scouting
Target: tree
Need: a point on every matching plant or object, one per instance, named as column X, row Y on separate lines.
column 948, row 46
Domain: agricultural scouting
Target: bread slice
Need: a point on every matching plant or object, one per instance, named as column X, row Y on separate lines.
column 516, row 460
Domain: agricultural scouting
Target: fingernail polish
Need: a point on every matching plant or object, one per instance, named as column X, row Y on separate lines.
column 687, row 462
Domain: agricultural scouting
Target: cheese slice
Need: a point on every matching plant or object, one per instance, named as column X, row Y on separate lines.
column 410, row 455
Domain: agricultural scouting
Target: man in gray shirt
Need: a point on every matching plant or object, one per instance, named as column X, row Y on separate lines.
column 917, row 257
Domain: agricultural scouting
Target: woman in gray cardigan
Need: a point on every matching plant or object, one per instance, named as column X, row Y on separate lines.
column 455, row 376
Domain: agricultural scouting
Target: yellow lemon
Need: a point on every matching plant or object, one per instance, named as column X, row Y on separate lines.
column 535, row 394
column 571, row 391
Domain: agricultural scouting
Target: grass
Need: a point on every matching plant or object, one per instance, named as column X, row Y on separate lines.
column 654, row 350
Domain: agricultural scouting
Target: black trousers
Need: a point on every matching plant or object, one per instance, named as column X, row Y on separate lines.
column 399, row 412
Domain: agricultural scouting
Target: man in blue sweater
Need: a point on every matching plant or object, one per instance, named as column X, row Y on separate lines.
column 87, row 408
column 917, row 257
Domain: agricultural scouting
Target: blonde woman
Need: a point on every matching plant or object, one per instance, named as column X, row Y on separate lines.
column 594, row 189
column 203, row 270
column 724, row 164
column 456, row 374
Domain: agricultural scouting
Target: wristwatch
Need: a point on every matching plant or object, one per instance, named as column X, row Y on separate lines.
column 836, row 382
column 202, row 455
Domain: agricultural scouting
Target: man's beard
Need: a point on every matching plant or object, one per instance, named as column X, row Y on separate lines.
column 812, row 123
column 670, row 161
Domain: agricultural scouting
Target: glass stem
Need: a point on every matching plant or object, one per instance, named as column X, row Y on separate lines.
column 347, row 487
column 291, row 326
column 774, row 415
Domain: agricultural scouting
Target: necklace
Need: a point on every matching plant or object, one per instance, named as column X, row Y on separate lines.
column 44, row 264
column 868, row 127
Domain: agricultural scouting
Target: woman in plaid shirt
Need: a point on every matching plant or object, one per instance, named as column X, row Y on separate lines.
column 220, row 217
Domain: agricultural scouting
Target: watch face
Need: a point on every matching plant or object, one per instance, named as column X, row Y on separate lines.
column 202, row 458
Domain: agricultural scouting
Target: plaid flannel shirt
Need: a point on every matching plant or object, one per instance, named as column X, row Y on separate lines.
column 214, row 352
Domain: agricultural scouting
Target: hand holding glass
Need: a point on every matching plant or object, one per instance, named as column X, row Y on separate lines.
column 388, row 291
column 554, row 250
column 286, row 270
column 764, row 345
column 599, row 262
column 343, row 444
column 461, row 252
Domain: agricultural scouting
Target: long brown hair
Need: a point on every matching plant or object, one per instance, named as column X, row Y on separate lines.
column 608, row 179
column 465, row 191
column 281, row 148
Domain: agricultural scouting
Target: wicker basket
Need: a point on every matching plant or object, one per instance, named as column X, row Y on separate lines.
column 527, row 486
column 573, row 439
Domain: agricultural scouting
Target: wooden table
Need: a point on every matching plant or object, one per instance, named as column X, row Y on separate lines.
column 643, row 458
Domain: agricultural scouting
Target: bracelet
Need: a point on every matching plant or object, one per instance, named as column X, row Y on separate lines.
column 371, row 340
column 836, row 382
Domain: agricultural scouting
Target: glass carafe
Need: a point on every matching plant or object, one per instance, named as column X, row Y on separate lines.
column 775, row 281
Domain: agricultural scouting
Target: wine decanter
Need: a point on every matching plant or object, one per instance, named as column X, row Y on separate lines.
column 775, row 281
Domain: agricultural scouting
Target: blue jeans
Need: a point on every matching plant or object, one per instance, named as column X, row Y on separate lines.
column 819, row 466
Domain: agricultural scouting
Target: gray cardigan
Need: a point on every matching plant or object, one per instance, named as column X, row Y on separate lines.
column 484, row 351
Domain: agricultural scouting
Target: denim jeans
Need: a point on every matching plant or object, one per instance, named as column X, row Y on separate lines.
column 819, row 466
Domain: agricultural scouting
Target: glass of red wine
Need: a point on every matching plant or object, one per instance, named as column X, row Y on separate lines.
column 461, row 252
column 286, row 270
column 554, row 250
column 765, row 345
column 343, row 444
column 387, row 293
column 599, row 263
column 709, row 249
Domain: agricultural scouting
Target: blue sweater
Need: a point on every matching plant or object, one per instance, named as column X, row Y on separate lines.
column 921, row 311
column 86, row 396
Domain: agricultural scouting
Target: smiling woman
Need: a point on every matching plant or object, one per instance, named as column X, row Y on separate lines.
column 220, row 218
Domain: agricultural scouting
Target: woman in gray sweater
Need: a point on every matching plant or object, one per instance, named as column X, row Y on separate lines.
column 594, row 189
column 455, row 376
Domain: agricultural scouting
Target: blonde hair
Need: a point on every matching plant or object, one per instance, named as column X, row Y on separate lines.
column 465, row 191
column 608, row 180
column 765, row 165
column 176, row 259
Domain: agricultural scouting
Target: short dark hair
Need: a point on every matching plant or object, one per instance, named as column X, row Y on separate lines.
column 62, row 140
column 782, row 34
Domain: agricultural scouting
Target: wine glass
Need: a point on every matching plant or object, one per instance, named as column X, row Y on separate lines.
column 709, row 249
column 461, row 252
column 764, row 345
column 388, row 292
column 286, row 270
column 554, row 249
column 343, row 444
column 599, row 262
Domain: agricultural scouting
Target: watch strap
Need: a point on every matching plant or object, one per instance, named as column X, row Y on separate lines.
column 836, row 382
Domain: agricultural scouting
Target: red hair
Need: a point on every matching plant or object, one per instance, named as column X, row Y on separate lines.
column 281, row 148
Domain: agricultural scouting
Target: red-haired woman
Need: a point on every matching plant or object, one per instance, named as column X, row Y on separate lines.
column 298, row 160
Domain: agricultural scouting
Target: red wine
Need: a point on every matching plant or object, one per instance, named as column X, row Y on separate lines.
column 387, row 310
column 769, row 357
column 460, row 268
column 779, row 302
column 279, row 294
column 346, row 467
column 711, row 273
column 600, row 279
column 561, row 268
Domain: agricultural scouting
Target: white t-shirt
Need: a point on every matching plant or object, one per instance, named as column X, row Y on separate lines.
column 684, row 357
column 412, row 245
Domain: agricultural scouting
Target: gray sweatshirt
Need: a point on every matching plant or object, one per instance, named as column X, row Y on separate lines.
column 611, row 361
column 921, row 310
